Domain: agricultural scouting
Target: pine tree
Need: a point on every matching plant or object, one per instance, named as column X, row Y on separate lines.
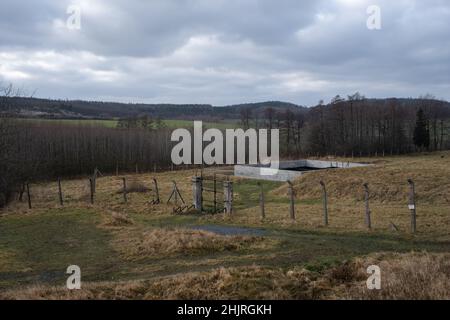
column 421, row 132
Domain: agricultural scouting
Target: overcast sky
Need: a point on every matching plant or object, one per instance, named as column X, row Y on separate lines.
column 225, row 51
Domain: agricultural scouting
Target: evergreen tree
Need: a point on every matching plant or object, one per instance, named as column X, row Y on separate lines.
column 421, row 132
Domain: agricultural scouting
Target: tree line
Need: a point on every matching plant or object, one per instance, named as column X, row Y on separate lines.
column 359, row 126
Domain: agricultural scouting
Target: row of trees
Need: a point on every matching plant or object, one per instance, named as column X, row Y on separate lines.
column 41, row 151
column 357, row 125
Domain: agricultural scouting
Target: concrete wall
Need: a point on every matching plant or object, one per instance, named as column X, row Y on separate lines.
column 284, row 174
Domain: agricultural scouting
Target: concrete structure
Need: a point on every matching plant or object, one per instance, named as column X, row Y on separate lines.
column 289, row 170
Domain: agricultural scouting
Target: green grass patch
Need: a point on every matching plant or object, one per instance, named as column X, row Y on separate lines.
column 42, row 246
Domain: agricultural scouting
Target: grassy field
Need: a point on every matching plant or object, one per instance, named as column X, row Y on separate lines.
column 169, row 123
column 142, row 251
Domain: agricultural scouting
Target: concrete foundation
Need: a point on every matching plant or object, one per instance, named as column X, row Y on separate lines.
column 289, row 170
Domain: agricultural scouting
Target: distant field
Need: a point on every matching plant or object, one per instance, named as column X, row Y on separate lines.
column 174, row 123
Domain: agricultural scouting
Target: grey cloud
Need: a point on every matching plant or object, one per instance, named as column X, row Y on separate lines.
column 218, row 51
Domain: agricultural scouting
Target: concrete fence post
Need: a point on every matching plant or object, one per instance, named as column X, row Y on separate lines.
column 325, row 203
column 366, row 199
column 28, row 195
column 292, row 200
column 412, row 205
column 228, row 196
column 124, row 181
column 261, row 201
column 61, row 202
column 215, row 193
column 197, row 193
column 91, row 189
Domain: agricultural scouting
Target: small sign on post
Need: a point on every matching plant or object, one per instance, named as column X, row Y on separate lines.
column 412, row 205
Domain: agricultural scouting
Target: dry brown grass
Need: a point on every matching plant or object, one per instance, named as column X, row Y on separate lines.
column 135, row 244
column 224, row 283
column 76, row 193
column 387, row 179
column 116, row 219
column 403, row 276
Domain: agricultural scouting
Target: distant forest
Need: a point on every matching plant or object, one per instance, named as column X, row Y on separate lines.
column 351, row 126
column 77, row 109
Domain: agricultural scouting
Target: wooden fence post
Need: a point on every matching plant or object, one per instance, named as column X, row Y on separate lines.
column 261, row 201
column 124, row 180
column 412, row 205
column 22, row 191
column 197, row 193
column 325, row 203
column 91, row 189
column 156, row 194
column 228, row 196
column 292, row 201
column 366, row 198
column 61, row 202
column 28, row 195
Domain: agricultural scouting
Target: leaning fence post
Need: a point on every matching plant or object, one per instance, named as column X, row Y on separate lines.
column 261, row 201
column 412, row 204
column 366, row 198
column 228, row 196
column 292, row 204
column 22, row 190
column 124, row 180
column 156, row 194
column 60, row 192
column 325, row 203
column 91, row 189
column 28, row 195
column 197, row 193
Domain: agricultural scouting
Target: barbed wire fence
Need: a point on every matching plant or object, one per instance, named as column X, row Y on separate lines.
column 214, row 193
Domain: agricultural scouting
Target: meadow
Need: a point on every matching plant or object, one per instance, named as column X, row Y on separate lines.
column 112, row 123
column 137, row 250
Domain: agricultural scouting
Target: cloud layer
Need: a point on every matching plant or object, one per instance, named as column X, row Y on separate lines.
column 225, row 51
